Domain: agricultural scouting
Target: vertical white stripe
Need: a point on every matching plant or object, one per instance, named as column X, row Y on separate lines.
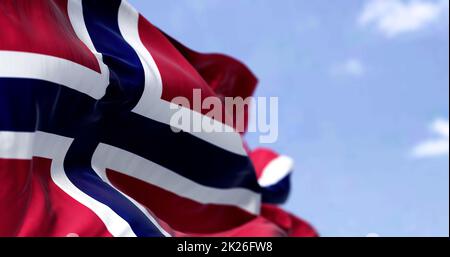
column 128, row 25
column 76, row 17
column 25, row 145
column 151, row 105
column 55, row 147
column 17, row 64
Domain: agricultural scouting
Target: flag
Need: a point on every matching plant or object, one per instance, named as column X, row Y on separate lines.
column 86, row 143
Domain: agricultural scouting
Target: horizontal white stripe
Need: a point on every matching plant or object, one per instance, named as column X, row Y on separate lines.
column 275, row 171
column 151, row 105
column 162, row 111
column 53, row 69
column 119, row 160
column 16, row 145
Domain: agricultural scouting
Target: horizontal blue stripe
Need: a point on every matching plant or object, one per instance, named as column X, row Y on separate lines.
column 180, row 152
column 66, row 112
column 30, row 105
column 17, row 107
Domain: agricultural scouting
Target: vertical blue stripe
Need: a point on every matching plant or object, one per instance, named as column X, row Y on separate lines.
column 126, row 86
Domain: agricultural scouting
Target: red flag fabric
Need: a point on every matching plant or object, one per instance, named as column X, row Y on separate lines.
column 87, row 142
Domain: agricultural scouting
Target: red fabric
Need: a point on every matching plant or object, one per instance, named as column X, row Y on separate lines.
column 291, row 224
column 260, row 158
column 225, row 75
column 33, row 205
column 216, row 75
column 181, row 213
column 36, row 206
column 42, row 27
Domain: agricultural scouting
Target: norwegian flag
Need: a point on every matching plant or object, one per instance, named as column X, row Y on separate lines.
column 86, row 147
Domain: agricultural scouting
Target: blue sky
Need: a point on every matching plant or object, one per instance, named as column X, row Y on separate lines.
column 363, row 88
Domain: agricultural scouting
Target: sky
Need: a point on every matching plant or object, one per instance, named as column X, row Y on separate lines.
column 363, row 89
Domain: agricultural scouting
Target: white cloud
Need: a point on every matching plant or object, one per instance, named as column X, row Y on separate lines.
column 393, row 17
column 438, row 146
column 351, row 67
